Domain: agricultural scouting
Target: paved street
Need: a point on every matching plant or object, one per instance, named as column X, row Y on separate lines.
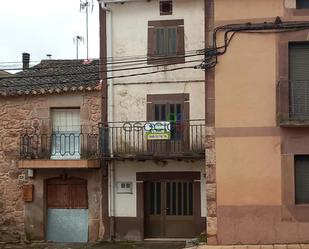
column 281, row 246
column 117, row 245
column 145, row 245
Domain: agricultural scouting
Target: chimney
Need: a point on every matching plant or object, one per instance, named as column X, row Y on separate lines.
column 26, row 61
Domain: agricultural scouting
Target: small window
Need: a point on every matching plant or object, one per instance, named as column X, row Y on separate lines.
column 124, row 187
column 166, row 7
column 302, row 4
column 301, row 179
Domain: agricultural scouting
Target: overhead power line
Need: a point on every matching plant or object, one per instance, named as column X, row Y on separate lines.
column 112, row 77
column 115, row 58
column 93, row 72
column 118, row 64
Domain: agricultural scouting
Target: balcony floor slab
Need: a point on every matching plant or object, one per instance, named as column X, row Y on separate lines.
column 58, row 164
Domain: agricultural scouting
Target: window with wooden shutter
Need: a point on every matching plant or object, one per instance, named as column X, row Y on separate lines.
column 166, row 41
column 301, row 179
column 299, row 80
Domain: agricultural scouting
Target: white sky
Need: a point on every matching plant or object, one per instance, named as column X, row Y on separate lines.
column 41, row 27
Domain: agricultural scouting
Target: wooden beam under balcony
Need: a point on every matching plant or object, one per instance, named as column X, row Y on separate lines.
column 58, row 164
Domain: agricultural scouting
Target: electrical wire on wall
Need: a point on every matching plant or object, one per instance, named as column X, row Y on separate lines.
column 230, row 30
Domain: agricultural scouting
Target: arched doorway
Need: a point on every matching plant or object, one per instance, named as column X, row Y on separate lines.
column 67, row 210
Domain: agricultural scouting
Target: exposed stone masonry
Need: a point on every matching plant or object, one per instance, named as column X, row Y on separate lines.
column 16, row 114
column 211, row 186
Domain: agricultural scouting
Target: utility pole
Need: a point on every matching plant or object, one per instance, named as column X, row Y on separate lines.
column 84, row 5
column 77, row 39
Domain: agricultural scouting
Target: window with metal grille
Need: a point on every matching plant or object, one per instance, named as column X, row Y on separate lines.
column 65, row 134
column 301, row 179
column 166, row 7
column 302, row 4
column 299, row 81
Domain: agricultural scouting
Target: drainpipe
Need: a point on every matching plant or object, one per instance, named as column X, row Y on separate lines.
column 110, row 102
column 104, row 164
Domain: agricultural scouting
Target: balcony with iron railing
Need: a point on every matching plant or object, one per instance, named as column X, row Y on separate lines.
column 293, row 103
column 142, row 140
column 78, row 148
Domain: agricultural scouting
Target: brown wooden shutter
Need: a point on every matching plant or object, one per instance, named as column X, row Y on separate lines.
column 151, row 41
column 181, row 42
column 150, row 111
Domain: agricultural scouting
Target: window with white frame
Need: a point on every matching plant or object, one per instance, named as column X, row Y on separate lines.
column 66, row 137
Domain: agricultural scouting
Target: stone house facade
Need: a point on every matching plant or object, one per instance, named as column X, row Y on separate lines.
column 30, row 101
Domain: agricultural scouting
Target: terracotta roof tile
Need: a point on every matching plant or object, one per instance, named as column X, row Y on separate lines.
column 52, row 76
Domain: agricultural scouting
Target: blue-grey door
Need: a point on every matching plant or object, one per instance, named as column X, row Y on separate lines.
column 67, row 225
column 67, row 210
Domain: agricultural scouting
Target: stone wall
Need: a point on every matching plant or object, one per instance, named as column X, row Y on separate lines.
column 16, row 114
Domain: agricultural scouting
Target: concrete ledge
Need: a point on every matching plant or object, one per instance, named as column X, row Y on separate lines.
column 58, row 164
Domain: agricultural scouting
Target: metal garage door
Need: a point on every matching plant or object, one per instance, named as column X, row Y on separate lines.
column 67, row 210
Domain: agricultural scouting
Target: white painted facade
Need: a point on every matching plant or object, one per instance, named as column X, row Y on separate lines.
column 125, row 204
column 127, row 35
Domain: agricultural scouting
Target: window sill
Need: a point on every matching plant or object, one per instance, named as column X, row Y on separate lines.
column 157, row 60
column 300, row 12
column 294, row 123
column 296, row 213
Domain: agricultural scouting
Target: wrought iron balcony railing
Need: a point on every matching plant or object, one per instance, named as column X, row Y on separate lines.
column 64, row 145
column 153, row 140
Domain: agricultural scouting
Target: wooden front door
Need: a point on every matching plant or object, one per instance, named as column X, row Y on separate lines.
column 67, row 210
column 169, row 209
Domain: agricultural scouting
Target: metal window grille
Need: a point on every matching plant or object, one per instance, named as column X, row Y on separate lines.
column 66, row 133
column 166, row 7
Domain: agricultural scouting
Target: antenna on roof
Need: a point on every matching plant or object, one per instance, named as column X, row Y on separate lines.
column 84, row 5
column 76, row 40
